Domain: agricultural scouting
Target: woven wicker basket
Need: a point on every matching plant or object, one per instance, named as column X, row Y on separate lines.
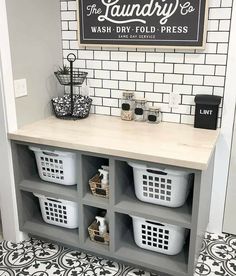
column 95, row 236
column 95, row 186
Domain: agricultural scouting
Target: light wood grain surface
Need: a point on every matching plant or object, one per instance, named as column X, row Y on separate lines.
column 166, row 143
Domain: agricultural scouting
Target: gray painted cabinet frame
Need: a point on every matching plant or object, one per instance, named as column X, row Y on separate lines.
column 193, row 215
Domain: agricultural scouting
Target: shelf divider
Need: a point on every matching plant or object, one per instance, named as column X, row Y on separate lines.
column 35, row 185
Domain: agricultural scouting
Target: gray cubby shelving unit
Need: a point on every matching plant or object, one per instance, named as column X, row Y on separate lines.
column 122, row 202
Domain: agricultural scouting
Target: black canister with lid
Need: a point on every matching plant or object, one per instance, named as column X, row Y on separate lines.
column 206, row 113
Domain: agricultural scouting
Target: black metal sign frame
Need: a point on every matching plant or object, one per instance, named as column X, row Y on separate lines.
column 138, row 23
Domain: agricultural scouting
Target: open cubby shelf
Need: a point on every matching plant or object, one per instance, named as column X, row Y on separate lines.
column 121, row 203
column 127, row 249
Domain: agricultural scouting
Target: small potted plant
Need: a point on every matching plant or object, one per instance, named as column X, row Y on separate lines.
column 63, row 75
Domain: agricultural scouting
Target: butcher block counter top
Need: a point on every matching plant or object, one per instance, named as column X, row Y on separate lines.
column 166, row 143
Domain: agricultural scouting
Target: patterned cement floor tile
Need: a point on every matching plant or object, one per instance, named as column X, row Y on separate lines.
column 39, row 258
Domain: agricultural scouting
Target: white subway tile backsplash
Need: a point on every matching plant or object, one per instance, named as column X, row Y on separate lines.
column 101, row 92
column 72, row 5
column 113, row 84
column 216, row 59
column 204, row 69
column 117, row 94
column 110, row 65
column 155, row 57
column 214, row 4
column 171, row 117
column 222, row 48
column 65, row 44
column 218, row 91
column 153, row 97
column 95, row 83
column 115, row 111
column 218, row 37
column 118, row 56
column 63, row 6
column 103, row 110
column 182, row 88
column 110, row 102
column 173, row 78
column 152, row 72
column 94, row 64
column 154, row 77
column 136, row 76
column 188, row 99
column 214, row 80
column 164, row 68
column 220, row 70
column 102, row 55
column 145, row 67
column 84, row 54
column 224, row 25
column 118, row 75
column 64, row 26
column 136, row 56
column 183, row 68
column 97, row 100
column 193, row 79
column 68, row 15
column 162, row 88
column 127, row 85
column 226, row 3
column 195, row 58
column 182, row 109
column 102, row 74
column 127, row 66
column 187, row 119
column 73, row 25
column 174, row 57
column 222, row 13
column 213, row 25
column 207, row 90
column 69, row 35
column 144, row 86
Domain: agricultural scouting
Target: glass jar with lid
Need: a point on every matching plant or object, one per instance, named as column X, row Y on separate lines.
column 154, row 114
column 140, row 110
column 127, row 106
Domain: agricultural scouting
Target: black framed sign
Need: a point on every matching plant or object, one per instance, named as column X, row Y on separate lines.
column 158, row 23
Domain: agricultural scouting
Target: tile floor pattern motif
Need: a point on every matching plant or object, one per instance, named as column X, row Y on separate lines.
column 38, row 258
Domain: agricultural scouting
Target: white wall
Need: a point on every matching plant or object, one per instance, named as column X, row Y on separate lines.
column 224, row 144
column 7, row 122
column 35, row 35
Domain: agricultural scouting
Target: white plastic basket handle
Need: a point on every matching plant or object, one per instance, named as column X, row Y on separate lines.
column 53, row 199
column 155, row 223
column 49, row 153
column 156, row 171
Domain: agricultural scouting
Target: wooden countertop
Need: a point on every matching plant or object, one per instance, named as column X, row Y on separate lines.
column 166, row 143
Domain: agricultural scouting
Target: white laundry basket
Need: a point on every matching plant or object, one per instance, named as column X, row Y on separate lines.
column 56, row 166
column 59, row 212
column 160, row 185
column 158, row 237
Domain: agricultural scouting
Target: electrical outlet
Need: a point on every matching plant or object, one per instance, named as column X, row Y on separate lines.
column 174, row 100
column 20, row 88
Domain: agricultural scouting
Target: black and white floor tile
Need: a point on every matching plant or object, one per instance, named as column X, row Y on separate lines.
column 38, row 258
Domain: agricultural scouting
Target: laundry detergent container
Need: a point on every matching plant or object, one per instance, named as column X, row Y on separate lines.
column 56, row 166
column 162, row 186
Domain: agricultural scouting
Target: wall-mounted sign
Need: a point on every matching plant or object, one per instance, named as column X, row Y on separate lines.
column 163, row 23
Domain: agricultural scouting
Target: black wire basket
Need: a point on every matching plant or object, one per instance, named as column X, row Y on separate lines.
column 62, row 107
column 78, row 77
column 70, row 106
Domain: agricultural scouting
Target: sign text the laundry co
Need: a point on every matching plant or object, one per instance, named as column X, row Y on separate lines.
column 172, row 23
